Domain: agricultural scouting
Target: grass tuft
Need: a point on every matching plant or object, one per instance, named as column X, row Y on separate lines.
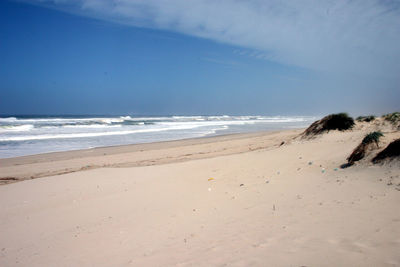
column 372, row 137
column 365, row 118
column 392, row 117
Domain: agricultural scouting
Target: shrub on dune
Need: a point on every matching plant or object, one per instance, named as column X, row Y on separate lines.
column 365, row 118
column 360, row 151
column 390, row 152
column 339, row 121
column 392, row 117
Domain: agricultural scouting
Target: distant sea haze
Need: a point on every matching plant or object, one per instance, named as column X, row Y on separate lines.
column 33, row 134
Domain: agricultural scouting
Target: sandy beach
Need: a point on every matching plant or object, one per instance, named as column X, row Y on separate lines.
column 259, row 199
column 199, row 133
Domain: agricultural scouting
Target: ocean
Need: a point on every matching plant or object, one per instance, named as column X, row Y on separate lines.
column 27, row 135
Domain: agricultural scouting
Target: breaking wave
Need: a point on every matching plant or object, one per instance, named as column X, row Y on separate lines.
column 31, row 135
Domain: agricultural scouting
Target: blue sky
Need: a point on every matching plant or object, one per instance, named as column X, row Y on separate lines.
column 199, row 57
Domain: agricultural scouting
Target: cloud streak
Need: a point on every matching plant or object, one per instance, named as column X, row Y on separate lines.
column 221, row 62
column 357, row 36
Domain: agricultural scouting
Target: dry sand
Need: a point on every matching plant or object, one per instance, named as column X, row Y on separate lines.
column 239, row 200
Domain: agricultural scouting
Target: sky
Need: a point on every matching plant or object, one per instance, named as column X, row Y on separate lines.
column 199, row 57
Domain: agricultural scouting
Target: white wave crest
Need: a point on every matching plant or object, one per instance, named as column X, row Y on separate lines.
column 16, row 128
column 111, row 120
column 94, row 134
column 94, row 126
column 8, row 119
column 62, row 120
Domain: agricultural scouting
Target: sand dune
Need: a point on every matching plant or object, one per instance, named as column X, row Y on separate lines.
column 241, row 200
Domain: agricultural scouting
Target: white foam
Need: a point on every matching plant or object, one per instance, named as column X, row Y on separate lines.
column 150, row 119
column 208, row 123
column 126, row 117
column 94, row 126
column 94, row 134
column 61, row 120
column 116, row 120
column 111, row 120
column 16, row 128
column 218, row 117
column 8, row 119
column 68, row 128
column 66, row 133
column 186, row 117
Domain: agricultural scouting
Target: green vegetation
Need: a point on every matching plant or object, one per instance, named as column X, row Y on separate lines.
column 365, row 118
column 339, row 121
column 392, row 117
column 372, row 137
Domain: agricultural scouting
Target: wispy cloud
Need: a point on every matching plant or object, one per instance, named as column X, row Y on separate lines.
column 254, row 54
column 361, row 36
column 221, row 62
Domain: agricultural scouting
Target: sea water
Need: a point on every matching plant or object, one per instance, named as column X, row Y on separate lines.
column 26, row 135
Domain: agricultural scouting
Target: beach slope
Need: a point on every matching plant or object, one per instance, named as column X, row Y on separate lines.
column 265, row 199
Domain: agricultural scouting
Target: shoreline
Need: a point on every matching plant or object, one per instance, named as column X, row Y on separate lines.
column 130, row 147
column 55, row 163
column 40, row 135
